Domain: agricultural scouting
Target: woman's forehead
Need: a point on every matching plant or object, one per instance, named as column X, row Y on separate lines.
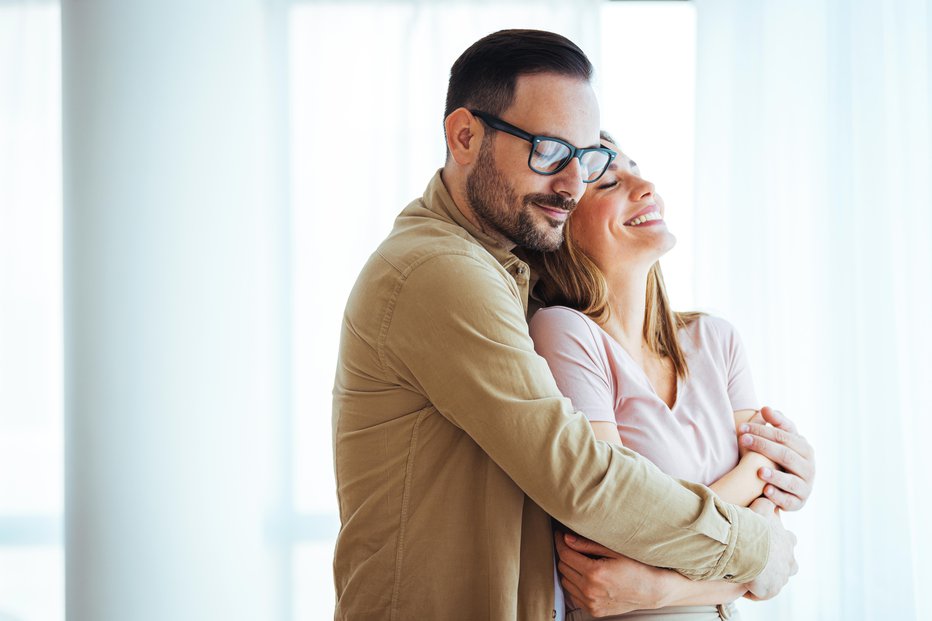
column 622, row 160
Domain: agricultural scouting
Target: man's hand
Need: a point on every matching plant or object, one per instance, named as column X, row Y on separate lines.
column 610, row 585
column 790, row 489
column 781, row 564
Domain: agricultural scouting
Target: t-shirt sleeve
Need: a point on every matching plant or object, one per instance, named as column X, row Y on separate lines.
column 741, row 391
column 577, row 360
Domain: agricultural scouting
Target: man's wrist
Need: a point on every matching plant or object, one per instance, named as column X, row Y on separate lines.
column 666, row 587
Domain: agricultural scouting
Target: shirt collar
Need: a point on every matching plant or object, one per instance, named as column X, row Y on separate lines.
column 437, row 198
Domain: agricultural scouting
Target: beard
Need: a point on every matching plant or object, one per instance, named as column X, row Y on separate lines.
column 497, row 206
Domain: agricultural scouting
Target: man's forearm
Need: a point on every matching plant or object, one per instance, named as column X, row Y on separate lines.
column 686, row 527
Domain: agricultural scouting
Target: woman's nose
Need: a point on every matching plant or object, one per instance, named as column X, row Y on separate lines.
column 641, row 189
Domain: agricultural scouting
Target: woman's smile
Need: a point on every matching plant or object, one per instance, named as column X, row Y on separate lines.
column 646, row 217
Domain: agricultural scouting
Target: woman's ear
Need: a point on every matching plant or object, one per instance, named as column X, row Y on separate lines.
column 464, row 134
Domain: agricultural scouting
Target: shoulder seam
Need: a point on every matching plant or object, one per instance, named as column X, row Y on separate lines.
column 388, row 316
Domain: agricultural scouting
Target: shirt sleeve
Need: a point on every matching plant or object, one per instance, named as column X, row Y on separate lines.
column 577, row 360
column 741, row 391
column 456, row 332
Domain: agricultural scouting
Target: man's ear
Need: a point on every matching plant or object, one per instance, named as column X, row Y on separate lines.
column 464, row 136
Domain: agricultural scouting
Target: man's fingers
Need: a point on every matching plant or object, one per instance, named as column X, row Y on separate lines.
column 777, row 419
column 570, row 574
column 789, row 450
column 794, row 489
column 587, row 546
column 787, row 502
column 794, row 441
column 571, row 557
column 573, row 590
column 782, row 454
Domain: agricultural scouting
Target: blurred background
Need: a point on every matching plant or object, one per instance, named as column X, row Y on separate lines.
column 189, row 188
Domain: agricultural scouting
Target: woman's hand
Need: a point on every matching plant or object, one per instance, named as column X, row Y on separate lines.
column 790, row 489
column 609, row 585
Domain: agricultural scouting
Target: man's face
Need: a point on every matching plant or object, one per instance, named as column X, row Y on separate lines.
column 509, row 198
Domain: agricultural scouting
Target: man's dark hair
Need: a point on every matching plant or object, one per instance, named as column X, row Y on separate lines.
column 484, row 76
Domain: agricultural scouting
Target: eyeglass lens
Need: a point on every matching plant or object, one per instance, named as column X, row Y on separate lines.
column 549, row 156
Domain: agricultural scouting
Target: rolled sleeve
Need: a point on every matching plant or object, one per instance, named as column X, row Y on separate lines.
column 748, row 547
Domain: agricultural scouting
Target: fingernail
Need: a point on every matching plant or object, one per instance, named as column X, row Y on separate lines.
column 767, row 473
column 745, row 428
column 746, row 440
column 768, row 490
column 570, row 538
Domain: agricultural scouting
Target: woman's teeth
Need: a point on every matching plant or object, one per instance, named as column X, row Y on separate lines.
column 647, row 217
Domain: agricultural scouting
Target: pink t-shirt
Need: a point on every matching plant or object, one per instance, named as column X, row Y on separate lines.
column 695, row 440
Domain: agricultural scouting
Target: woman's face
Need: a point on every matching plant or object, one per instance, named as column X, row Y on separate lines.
column 619, row 221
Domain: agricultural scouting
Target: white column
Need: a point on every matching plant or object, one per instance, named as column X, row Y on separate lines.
column 175, row 313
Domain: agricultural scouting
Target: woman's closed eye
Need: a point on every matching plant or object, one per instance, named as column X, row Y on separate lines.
column 608, row 184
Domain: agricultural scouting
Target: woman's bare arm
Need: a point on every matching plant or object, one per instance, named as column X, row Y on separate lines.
column 741, row 485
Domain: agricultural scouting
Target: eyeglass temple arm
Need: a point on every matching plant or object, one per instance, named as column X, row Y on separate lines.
column 504, row 126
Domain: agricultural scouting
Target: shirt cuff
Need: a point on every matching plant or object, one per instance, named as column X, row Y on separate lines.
column 748, row 547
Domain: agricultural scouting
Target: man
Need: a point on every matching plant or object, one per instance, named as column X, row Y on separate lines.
column 452, row 445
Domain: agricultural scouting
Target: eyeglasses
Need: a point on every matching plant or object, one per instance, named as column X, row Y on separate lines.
column 551, row 155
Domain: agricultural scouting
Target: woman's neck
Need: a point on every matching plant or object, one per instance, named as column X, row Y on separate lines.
column 627, row 300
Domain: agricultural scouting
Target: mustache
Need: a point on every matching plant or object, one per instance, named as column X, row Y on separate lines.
column 551, row 200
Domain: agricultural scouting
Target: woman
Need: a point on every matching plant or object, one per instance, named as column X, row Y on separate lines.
column 672, row 386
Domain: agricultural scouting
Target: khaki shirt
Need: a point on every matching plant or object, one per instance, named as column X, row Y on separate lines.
column 453, row 446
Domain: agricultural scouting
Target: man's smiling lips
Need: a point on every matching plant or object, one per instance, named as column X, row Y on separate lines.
column 554, row 212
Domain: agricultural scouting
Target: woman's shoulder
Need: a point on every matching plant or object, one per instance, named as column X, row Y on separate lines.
column 555, row 323
column 559, row 313
column 710, row 332
column 712, row 325
column 561, row 316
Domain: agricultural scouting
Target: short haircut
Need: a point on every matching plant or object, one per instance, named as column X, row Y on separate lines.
column 484, row 76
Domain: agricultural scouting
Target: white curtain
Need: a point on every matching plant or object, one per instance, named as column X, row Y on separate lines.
column 812, row 228
column 31, row 487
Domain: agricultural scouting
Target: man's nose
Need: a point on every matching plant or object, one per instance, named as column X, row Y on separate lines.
column 569, row 181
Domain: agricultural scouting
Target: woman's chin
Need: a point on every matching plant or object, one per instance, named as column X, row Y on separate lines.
column 661, row 242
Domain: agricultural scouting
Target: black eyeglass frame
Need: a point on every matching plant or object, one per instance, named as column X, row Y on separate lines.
column 496, row 123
